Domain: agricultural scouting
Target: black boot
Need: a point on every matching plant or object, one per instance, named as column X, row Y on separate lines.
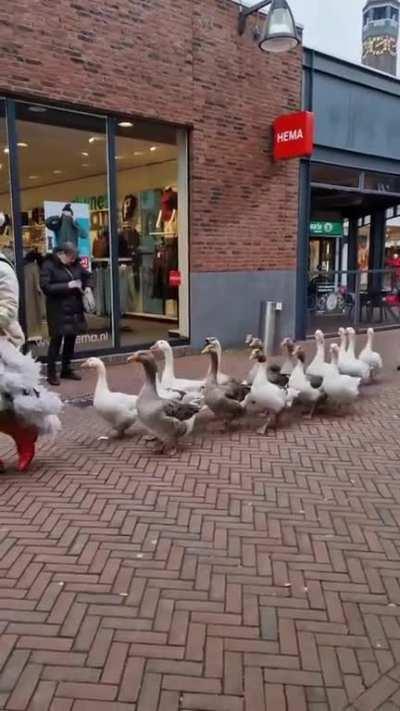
column 52, row 378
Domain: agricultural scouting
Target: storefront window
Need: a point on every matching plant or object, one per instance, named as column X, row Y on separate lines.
column 147, row 159
column 64, row 175
column 62, row 160
column 6, row 227
column 334, row 175
column 382, row 182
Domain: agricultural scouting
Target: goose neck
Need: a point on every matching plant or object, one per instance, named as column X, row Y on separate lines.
column 169, row 371
column 101, row 378
column 150, row 372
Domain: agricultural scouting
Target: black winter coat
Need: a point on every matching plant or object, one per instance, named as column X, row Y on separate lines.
column 64, row 306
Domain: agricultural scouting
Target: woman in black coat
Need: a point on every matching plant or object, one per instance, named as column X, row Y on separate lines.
column 62, row 280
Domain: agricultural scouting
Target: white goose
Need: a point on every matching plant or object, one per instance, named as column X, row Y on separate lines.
column 168, row 380
column 347, row 361
column 318, row 366
column 340, row 389
column 300, row 383
column 118, row 409
column 264, row 396
column 372, row 358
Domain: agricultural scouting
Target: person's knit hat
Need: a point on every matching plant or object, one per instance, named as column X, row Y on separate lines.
column 67, row 209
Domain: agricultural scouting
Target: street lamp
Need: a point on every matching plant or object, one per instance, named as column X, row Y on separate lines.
column 279, row 33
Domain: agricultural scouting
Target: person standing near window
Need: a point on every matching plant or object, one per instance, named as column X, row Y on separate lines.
column 63, row 281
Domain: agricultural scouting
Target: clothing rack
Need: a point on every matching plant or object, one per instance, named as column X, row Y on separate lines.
column 106, row 260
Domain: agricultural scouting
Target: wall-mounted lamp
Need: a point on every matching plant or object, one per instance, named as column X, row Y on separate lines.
column 279, row 33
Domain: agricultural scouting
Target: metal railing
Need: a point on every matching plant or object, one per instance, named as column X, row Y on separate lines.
column 353, row 298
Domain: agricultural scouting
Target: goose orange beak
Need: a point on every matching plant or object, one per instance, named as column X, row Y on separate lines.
column 133, row 358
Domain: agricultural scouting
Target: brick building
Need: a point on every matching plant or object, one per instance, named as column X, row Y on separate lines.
column 152, row 118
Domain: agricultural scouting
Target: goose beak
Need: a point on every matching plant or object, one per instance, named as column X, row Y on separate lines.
column 154, row 348
column 85, row 364
column 133, row 358
column 206, row 349
column 253, row 354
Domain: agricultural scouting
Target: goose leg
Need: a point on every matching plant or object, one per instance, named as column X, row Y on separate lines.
column 264, row 429
column 311, row 414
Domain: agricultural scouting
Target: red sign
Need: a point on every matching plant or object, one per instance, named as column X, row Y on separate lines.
column 294, row 135
column 175, row 279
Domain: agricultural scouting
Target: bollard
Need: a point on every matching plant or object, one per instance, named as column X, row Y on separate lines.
column 267, row 330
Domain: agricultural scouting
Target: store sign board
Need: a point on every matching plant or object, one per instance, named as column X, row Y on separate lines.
column 323, row 228
column 293, row 135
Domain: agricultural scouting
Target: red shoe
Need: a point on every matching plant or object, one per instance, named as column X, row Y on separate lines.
column 24, row 437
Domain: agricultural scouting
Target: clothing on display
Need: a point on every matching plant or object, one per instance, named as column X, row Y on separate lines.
column 102, row 287
column 169, row 204
column 35, row 301
column 167, row 218
column 165, row 260
column 101, row 246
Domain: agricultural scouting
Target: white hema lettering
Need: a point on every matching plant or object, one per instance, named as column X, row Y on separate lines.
column 286, row 136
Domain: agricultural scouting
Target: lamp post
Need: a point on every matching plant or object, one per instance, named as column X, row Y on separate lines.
column 279, row 33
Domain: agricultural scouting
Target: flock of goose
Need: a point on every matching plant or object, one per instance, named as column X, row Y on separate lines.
column 167, row 406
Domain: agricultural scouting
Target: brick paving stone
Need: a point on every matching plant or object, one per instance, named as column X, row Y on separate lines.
column 245, row 572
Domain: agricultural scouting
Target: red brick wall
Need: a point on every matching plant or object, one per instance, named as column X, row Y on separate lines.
column 179, row 61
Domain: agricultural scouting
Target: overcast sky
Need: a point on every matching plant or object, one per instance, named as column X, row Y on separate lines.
column 332, row 26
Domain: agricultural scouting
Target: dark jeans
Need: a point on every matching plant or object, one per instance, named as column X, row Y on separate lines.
column 54, row 352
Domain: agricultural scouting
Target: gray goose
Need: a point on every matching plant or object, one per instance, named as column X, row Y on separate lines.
column 168, row 421
column 224, row 401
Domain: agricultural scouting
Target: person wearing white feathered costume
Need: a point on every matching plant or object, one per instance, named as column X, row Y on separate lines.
column 27, row 409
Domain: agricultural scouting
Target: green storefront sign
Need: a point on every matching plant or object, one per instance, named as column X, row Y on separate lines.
column 322, row 228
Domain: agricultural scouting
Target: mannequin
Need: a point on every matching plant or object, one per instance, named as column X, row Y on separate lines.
column 129, row 205
column 168, row 221
column 168, row 215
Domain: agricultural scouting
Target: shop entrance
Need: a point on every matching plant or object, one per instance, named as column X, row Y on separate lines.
column 353, row 270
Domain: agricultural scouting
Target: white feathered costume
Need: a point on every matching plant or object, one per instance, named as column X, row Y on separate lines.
column 25, row 405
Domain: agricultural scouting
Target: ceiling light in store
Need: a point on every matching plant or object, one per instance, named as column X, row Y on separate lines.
column 125, row 124
column 119, row 157
column 57, row 172
column 85, row 165
column 1, row 166
column 6, row 150
column 153, row 148
column 37, row 109
column 85, row 154
column 22, row 144
column 138, row 153
column 33, row 177
column 96, row 139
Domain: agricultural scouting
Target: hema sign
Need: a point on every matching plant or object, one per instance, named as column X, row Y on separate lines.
column 294, row 135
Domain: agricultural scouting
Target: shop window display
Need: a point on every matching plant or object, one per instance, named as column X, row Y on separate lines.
column 60, row 155
column 148, row 230
column 138, row 260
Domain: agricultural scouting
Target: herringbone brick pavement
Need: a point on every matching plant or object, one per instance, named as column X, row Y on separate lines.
column 245, row 574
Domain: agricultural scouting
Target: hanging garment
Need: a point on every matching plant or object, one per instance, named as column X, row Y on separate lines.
column 34, row 300
column 165, row 260
column 123, row 288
